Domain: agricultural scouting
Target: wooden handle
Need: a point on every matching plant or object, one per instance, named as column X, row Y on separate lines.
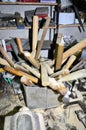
column 70, row 62
column 32, row 60
column 6, row 56
column 2, row 70
column 35, row 32
column 26, row 81
column 44, row 75
column 61, row 72
column 40, row 44
column 32, row 70
column 74, row 49
column 20, row 73
column 59, row 56
column 57, row 86
column 19, row 44
column 4, row 62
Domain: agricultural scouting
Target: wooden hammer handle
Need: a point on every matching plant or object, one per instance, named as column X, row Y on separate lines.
column 35, row 32
column 6, row 56
column 42, row 38
column 20, row 73
column 19, row 44
column 70, row 62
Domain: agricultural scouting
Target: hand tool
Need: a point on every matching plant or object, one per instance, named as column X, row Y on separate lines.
column 31, row 59
column 40, row 44
column 12, row 63
column 34, row 71
column 26, row 54
column 19, row 73
column 35, row 33
column 6, row 56
column 4, row 62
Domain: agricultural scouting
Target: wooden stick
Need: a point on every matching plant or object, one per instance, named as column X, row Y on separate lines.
column 40, row 44
column 19, row 44
column 57, row 86
column 32, row 70
column 6, row 56
column 20, row 73
column 44, row 75
column 2, row 70
column 49, row 69
column 4, row 62
column 26, row 54
column 74, row 49
column 19, row 67
column 31, row 59
column 58, row 73
column 74, row 75
column 26, row 81
column 35, row 32
column 70, row 62
column 59, row 56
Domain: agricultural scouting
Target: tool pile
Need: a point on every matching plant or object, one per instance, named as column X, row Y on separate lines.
column 60, row 74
